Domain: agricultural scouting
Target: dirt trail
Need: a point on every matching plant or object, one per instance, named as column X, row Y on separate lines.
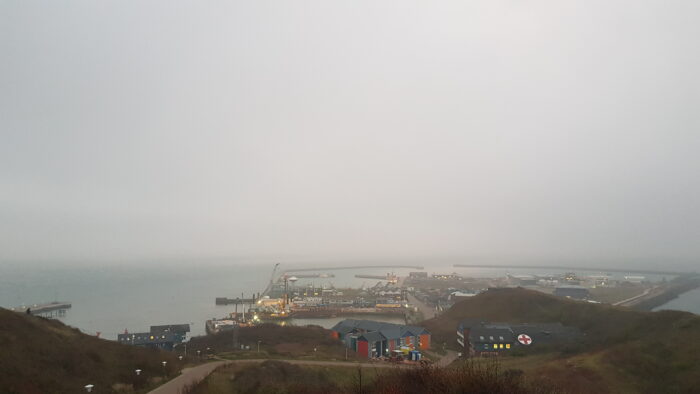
column 196, row 374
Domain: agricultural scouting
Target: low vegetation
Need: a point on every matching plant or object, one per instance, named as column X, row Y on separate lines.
column 623, row 350
column 275, row 341
column 45, row 356
column 280, row 377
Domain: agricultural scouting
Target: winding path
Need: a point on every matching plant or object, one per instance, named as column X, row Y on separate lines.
column 427, row 311
column 632, row 300
column 188, row 377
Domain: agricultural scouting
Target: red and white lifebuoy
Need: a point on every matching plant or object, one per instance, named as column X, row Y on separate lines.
column 525, row 339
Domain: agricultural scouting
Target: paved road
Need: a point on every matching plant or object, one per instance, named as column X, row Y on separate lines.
column 427, row 311
column 188, row 377
column 633, row 300
column 447, row 359
column 196, row 374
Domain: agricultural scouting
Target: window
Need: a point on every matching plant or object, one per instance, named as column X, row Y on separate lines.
column 495, row 346
column 501, row 338
column 507, row 345
column 481, row 338
column 491, row 338
column 500, row 346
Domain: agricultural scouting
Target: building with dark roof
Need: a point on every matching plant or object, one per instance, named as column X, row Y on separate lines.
column 146, row 339
column 162, row 337
column 480, row 338
column 179, row 330
column 375, row 339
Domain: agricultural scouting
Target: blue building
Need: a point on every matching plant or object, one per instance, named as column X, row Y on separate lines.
column 160, row 337
column 376, row 339
column 480, row 338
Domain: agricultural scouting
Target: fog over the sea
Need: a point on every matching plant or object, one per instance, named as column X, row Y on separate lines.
column 473, row 131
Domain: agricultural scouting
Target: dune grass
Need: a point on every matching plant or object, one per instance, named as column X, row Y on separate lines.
column 45, row 356
column 623, row 350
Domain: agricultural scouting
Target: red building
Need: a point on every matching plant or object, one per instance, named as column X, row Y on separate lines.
column 375, row 339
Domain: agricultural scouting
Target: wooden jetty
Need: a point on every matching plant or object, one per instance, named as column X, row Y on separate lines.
column 50, row 310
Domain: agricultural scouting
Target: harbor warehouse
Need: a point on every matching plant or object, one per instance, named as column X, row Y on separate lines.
column 376, row 339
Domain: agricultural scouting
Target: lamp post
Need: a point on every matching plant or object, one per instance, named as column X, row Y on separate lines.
column 88, row 387
column 165, row 372
column 138, row 372
column 259, row 346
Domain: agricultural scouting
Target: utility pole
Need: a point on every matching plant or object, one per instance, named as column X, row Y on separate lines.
column 359, row 374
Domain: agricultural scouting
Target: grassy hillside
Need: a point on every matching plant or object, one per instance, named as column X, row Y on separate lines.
column 45, row 356
column 311, row 342
column 623, row 350
column 283, row 378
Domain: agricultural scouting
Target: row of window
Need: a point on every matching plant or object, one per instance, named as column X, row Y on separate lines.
column 500, row 346
column 491, row 338
column 140, row 338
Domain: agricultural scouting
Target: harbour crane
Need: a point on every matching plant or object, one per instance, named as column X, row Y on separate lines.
column 272, row 278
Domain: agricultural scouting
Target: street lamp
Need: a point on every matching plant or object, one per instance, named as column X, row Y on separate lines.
column 88, row 387
column 179, row 357
column 138, row 372
column 165, row 372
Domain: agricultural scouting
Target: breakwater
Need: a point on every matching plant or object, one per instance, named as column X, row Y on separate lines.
column 675, row 288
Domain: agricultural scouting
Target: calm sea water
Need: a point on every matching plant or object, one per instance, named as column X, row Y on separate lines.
column 110, row 299
column 689, row 302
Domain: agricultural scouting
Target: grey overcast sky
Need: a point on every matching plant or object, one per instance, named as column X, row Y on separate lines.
column 475, row 130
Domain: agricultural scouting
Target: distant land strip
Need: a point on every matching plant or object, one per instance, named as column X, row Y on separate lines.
column 557, row 267
column 349, row 267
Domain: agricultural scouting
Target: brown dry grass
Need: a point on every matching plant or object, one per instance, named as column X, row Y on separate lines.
column 45, row 356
